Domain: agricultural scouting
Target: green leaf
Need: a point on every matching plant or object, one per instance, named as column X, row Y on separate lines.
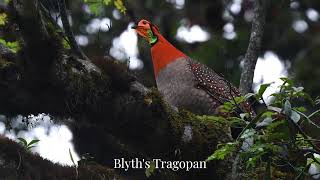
column 239, row 99
column 252, row 162
column 119, row 5
column 66, row 44
column 262, row 89
column 300, row 109
column 23, row 141
column 227, row 107
column 295, row 116
column 13, row 46
column 317, row 162
column 71, row 157
column 297, row 89
column 95, row 8
column 287, row 108
column 268, row 114
column 33, row 142
column 222, row 152
column 106, row 2
column 3, row 19
column 149, row 171
column 265, row 122
column 287, row 80
column 309, row 161
column 247, row 96
column 248, row 133
column 30, row 147
column 235, row 121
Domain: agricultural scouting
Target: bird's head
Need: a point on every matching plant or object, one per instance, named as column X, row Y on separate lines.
column 147, row 30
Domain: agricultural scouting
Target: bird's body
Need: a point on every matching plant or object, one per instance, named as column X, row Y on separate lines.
column 178, row 85
column 183, row 82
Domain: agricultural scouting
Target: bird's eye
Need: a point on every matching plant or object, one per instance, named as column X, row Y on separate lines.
column 144, row 22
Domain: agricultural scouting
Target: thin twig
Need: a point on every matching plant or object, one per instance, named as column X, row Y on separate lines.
column 53, row 21
column 68, row 31
column 309, row 150
column 317, row 150
column 307, row 118
column 314, row 113
column 20, row 159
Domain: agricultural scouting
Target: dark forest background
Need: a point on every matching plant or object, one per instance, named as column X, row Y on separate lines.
column 292, row 30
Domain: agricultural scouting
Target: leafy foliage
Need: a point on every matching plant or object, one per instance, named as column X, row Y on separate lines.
column 275, row 135
column 3, row 19
column 149, row 171
column 95, row 6
column 14, row 46
column 262, row 89
column 28, row 145
column 66, row 44
column 120, row 6
column 223, row 151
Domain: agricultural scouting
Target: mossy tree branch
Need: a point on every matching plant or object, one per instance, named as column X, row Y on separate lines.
column 18, row 163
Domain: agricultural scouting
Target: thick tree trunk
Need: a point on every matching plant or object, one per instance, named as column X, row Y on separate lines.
column 254, row 46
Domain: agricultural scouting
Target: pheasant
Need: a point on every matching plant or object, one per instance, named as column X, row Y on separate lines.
column 184, row 82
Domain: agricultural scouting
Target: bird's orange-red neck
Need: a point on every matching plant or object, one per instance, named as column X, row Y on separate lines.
column 163, row 53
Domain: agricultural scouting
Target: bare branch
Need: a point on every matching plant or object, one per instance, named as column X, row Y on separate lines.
column 68, row 31
column 254, row 47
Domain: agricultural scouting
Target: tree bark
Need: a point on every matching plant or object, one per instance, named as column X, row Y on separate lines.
column 252, row 54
